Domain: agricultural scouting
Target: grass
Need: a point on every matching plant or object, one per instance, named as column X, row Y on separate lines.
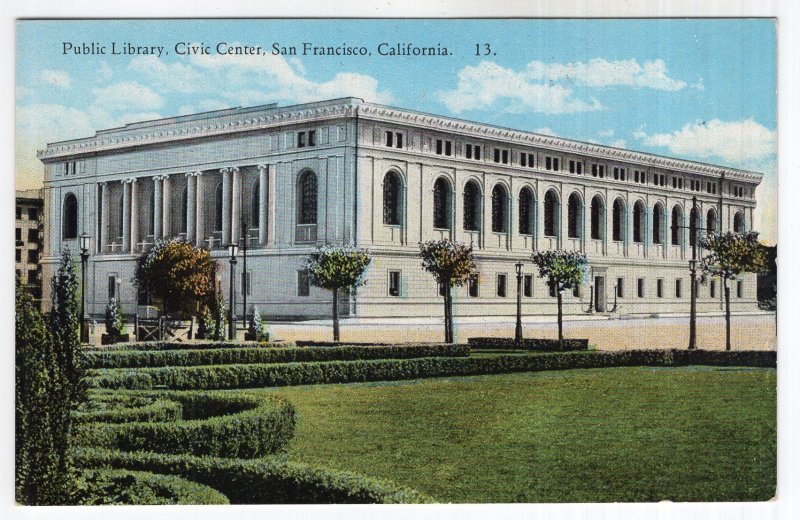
column 601, row 435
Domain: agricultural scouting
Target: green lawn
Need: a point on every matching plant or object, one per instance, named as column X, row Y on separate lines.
column 623, row 434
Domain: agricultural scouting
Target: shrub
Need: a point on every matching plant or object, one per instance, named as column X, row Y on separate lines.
column 226, row 356
column 114, row 322
column 119, row 408
column 125, row 487
column 194, row 345
column 528, row 344
column 261, row 375
column 262, row 481
column 255, row 425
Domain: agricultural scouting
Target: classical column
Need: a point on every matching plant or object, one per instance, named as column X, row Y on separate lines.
column 262, row 203
column 126, row 215
column 103, row 217
column 134, row 220
column 157, row 207
column 199, row 206
column 165, row 194
column 191, row 204
column 272, row 201
column 236, row 205
column 226, row 206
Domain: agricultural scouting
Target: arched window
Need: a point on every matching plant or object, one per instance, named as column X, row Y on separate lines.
column 218, row 208
column 711, row 221
column 69, row 222
column 526, row 211
column 694, row 225
column 152, row 212
column 618, row 214
column 472, row 206
column 499, row 208
column 255, row 205
column 597, row 218
column 738, row 222
column 551, row 223
column 675, row 225
column 638, row 221
column 391, row 199
column 184, row 208
column 658, row 218
column 441, row 204
column 574, row 216
column 307, row 194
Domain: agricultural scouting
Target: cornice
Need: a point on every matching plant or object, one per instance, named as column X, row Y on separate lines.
column 477, row 130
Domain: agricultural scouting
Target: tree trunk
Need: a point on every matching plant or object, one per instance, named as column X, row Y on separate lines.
column 560, row 323
column 446, row 322
column 727, row 315
column 335, row 314
column 449, row 313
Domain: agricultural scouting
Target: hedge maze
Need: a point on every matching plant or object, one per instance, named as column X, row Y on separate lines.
column 171, row 423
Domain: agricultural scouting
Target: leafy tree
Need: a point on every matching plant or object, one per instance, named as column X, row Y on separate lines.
column 114, row 322
column 179, row 274
column 49, row 387
column 451, row 264
column 338, row 268
column 563, row 270
column 729, row 255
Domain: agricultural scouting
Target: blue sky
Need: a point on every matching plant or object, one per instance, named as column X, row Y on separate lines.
column 698, row 89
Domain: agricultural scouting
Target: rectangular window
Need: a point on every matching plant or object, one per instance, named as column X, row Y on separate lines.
column 712, row 288
column 477, row 153
column 18, row 234
column 659, row 288
column 394, row 283
column 19, row 213
column 389, row 139
column 112, row 287
column 551, row 288
column 571, row 166
column 579, row 170
column 18, row 272
column 548, row 163
column 622, row 173
column 301, row 139
column 444, row 147
column 620, row 287
column 501, row 285
column 497, row 155
column 32, row 276
column 640, row 287
column 616, row 173
column 33, row 213
column 439, row 147
column 468, row 151
column 576, row 291
column 739, row 288
column 448, row 148
column 601, row 170
column 527, row 285
column 680, row 183
column 398, row 140
column 472, row 287
column 303, row 283
column 505, row 156
column 679, row 288
column 33, row 235
column 18, row 255
column 523, row 159
column 312, row 138
column 33, row 256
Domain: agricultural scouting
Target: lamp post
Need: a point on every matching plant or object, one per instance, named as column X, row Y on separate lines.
column 84, row 245
column 233, row 249
column 693, row 237
column 518, row 329
column 246, row 239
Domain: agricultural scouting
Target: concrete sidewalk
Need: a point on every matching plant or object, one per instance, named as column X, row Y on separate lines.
column 750, row 331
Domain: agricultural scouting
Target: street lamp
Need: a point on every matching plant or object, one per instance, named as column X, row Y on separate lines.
column 84, row 241
column 693, row 237
column 233, row 250
column 518, row 329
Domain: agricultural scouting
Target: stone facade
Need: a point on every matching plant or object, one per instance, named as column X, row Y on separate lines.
column 28, row 240
column 349, row 172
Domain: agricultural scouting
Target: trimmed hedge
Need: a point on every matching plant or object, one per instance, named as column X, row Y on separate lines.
column 126, row 487
column 120, row 408
column 255, row 425
column 262, row 481
column 257, row 375
column 545, row 345
column 194, row 345
column 227, row 356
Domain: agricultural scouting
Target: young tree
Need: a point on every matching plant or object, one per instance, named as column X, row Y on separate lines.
column 179, row 274
column 451, row 264
column 729, row 255
column 338, row 268
column 563, row 270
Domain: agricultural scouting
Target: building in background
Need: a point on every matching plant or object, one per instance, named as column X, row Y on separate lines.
column 344, row 171
column 28, row 240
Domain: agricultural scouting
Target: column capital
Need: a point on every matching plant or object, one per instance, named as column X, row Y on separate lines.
column 234, row 169
column 224, row 170
column 262, row 167
column 130, row 180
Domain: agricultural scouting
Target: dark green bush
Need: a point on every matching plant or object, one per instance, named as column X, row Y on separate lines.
column 258, row 375
column 194, row 345
column 262, row 481
column 543, row 345
column 254, row 426
column 227, row 356
column 125, row 487
column 119, row 408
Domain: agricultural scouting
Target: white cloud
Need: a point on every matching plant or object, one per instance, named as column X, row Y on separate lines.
column 127, row 95
column 481, row 86
column 58, row 78
column 545, row 131
column 606, row 133
column 170, row 77
column 619, row 143
column 735, row 142
column 602, row 73
column 103, row 72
